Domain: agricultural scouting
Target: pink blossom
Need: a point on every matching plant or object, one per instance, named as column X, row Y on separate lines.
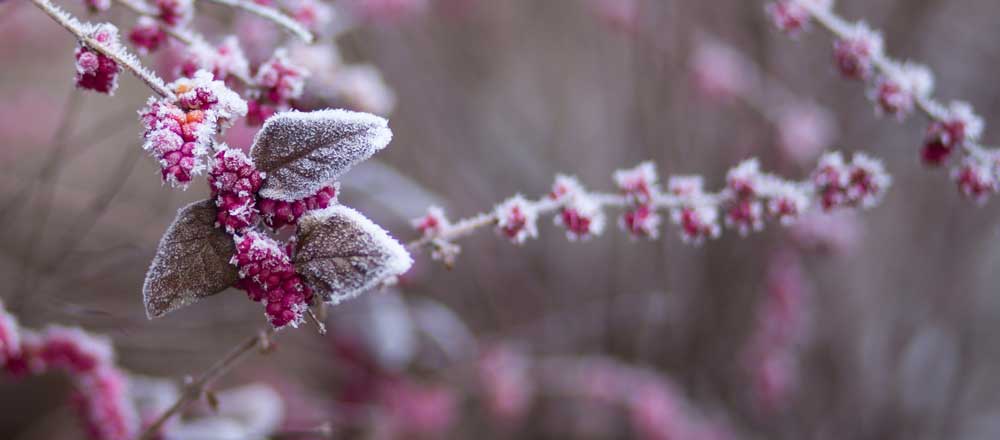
column 432, row 223
column 506, row 381
column 175, row 12
column 720, row 72
column 416, row 409
column 976, row 178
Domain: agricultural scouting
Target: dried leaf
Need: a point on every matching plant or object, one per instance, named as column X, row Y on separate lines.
column 303, row 152
column 192, row 261
column 340, row 253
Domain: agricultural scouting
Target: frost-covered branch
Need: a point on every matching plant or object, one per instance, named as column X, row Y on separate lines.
column 749, row 197
column 274, row 15
column 102, row 39
column 898, row 88
column 194, row 390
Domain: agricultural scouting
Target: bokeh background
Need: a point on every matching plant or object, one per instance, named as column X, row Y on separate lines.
column 894, row 310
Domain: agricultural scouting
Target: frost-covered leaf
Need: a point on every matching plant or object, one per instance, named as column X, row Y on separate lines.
column 302, row 152
column 192, row 261
column 340, row 253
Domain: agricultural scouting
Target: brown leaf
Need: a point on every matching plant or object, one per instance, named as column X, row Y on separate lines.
column 192, row 261
column 302, row 152
column 340, row 253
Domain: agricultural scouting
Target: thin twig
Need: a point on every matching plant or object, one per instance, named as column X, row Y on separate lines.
column 194, row 390
column 271, row 14
column 546, row 206
column 122, row 58
column 932, row 109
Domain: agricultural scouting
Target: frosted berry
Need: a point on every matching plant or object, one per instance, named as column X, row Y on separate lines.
column 641, row 221
column 147, row 35
column 697, row 222
column 639, row 184
column 976, row 179
column 268, row 276
column 74, row 351
column 175, row 12
column 432, row 223
column 788, row 16
column 94, row 70
column 516, row 219
column 103, row 403
column 855, row 52
column 944, row 136
column 279, row 213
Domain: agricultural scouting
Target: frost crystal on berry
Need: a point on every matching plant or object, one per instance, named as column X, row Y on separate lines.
column 267, row 275
column 94, row 70
column 698, row 222
column 234, row 181
column 281, row 79
column 223, row 61
column 10, row 336
column 854, row 53
column 957, row 124
column 639, row 184
column 868, row 181
column 641, row 221
column 74, row 350
column 516, row 219
column 279, row 213
column 745, row 212
column 582, row 217
column 103, row 402
column 432, row 223
column 788, row 16
column 976, row 179
column 787, row 202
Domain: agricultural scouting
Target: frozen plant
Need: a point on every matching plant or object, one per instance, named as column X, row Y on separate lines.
column 900, row 87
column 749, row 198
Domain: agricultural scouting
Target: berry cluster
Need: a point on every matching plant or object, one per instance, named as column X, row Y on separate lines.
column 180, row 132
column 268, row 277
column 95, row 70
column 101, row 395
column 279, row 81
column 898, row 88
column 235, row 182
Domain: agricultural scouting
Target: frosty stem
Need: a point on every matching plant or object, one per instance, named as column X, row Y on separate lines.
column 546, row 205
column 127, row 62
column 840, row 28
column 274, row 15
column 194, row 390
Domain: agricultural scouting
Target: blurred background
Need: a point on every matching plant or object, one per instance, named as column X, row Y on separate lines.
column 877, row 324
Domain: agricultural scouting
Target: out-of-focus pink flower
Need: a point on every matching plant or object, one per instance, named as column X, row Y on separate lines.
column 517, row 219
column 833, row 233
column 804, row 131
column 618, row 15
column 504, row 375
column 418, row 410
column 721, row 72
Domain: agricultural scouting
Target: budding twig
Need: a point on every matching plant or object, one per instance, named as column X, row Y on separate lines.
column 194, row 390
column 932, row 109
column 122, row 58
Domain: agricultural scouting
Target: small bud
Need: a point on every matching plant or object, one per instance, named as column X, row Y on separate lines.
column 516, row 219
column 854, row 53
column 957, row 125
column 147, row 35
column 976, row 179
column 432, row 223
column 639, row 184
column 94, row 70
